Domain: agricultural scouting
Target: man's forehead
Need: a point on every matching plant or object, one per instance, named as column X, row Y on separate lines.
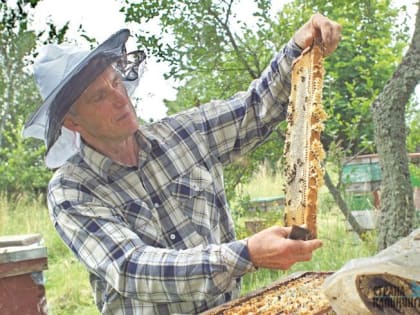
column 109, row 74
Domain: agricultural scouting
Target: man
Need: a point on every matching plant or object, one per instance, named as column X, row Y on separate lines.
column 144, row 208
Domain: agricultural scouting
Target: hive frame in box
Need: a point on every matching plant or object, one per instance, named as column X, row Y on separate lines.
column 219, row 310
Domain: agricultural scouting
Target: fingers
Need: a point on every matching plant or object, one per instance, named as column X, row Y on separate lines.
column 318, row 24
column 304, row 249
column 285, row 231
column 281, row 231
column 295, row 251
column 330, row 32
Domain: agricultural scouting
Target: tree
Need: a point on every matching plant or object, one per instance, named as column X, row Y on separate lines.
column 388, row 109
column 16, row 42
column 21, row 163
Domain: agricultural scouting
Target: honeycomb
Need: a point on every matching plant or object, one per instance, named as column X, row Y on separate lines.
column 297, row 296
column 303, row 149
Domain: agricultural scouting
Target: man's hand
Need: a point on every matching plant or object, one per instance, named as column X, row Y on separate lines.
column 271, row 248
column 330, row 33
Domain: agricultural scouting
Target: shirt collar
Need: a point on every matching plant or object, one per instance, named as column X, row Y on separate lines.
column 104, row 166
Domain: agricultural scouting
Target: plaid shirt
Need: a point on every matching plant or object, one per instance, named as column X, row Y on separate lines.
column 159, row 238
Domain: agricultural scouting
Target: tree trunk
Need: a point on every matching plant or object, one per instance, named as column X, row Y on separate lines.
column 388, row 112
column 342, row 205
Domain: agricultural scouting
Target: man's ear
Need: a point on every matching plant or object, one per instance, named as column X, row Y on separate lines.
column 70, row 122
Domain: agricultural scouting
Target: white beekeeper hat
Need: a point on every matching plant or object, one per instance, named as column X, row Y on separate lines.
column 62, row 73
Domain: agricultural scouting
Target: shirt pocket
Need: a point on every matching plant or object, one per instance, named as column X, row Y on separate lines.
column 194, row 193
column 141, row 220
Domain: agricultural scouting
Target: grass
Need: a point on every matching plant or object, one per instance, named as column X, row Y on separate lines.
column 67, row 287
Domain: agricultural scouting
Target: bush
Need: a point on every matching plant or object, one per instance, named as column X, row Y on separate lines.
column 22, row 166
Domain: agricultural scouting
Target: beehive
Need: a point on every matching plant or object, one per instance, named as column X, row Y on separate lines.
column 303, row 149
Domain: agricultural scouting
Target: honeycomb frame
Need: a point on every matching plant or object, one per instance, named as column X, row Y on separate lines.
column 303, row 149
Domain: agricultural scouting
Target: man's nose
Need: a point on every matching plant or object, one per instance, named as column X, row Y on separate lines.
column 119, row 96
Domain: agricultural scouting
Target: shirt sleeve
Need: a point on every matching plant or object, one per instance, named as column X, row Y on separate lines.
column 235, row 126
column 109, row 248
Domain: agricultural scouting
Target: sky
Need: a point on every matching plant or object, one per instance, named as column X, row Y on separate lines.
column 100, row 19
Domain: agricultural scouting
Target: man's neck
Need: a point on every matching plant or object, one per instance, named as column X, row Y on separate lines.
column 124, row 152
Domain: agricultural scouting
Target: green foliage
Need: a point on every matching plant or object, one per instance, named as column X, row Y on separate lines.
column 23, row 168
column 414, row 174
column 21, row 163
column 201, row 36
column 367, row 56
column 17, row 89
column 211, row 50
column 413, row 127
column 413, row 140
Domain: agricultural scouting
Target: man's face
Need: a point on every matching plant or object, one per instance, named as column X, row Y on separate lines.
column 104, row 112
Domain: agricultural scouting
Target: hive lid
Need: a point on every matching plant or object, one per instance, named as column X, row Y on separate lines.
column 15, row 248
column 19, row 253
column 18, row 240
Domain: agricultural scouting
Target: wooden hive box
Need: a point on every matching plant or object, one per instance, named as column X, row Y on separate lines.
column 22, row 261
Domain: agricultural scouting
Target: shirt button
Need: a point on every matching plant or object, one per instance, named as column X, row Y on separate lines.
column 156, row 205
column 172, row 236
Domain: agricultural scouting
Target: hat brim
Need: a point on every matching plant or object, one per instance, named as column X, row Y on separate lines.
column 57, row 104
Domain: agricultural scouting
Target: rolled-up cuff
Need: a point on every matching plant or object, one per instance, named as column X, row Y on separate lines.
column 237, row 258
column 292, row 50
